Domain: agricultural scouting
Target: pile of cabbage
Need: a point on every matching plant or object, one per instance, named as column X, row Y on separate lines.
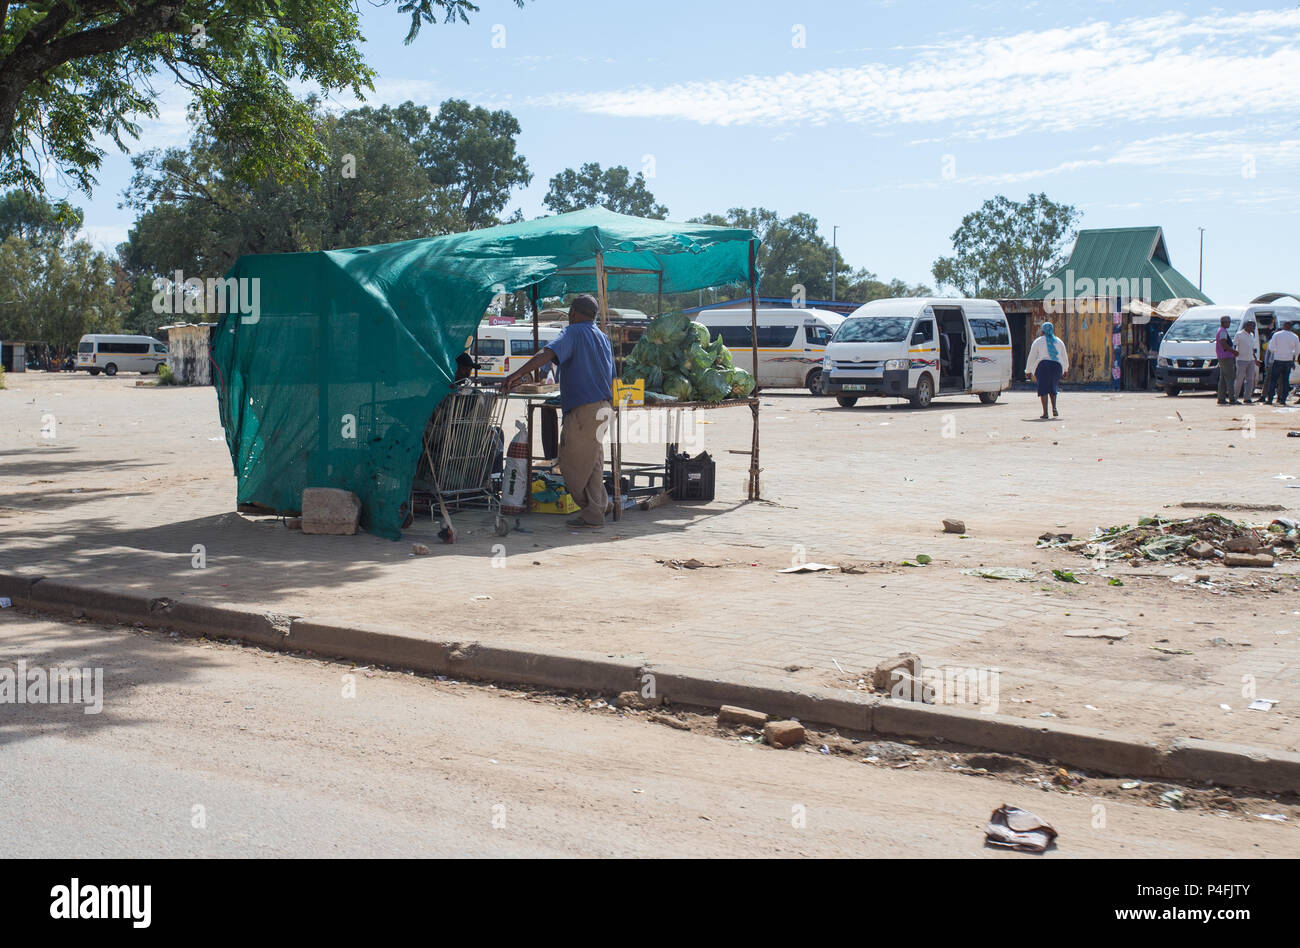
column 676, row 358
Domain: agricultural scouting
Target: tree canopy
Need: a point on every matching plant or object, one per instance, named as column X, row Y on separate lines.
column 1006, row 248
column 72, row 70
column 613, row 188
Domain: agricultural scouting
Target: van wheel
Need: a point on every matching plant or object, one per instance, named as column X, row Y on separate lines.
column 924, row 393
column 815, row 382
column 988, row 398
column 93, row 371
column 846, row 401
column 110, row 369
column 1172, row 390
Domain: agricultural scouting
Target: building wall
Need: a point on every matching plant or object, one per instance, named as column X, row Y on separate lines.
column 1086, row 328
column 188, row 354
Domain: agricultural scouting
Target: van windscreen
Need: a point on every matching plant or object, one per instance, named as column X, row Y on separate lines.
column 1198, row 330
column 85, row 347
column 873, row 329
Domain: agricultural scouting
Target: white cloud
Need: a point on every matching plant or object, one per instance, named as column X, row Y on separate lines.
column 1138, row 70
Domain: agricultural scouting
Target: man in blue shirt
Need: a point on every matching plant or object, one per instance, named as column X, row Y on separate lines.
column 586, row 362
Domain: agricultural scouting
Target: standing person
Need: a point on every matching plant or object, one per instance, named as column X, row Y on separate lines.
column 1247, row 346
column 1046, row 363
column 1284, row 346
column 1226, row 353
column 586, row 362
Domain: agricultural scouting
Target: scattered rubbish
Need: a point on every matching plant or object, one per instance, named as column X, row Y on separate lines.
column 1224, row 707
column 1170, row 651
column 1055, row 539
column 1293, row 434
column 1063, row 778
column 923, row 558
column 692, row 563
column 6, row 602
column 1019, row 829
column 1180, row 578
column 1065, row 576
column 1115, row 581
column 1001, row 572
column 480, row 598
column 1164, row 547
column 1262, row 704
column 419, row 549
column 1173, row 799
column 824, row 749
column 809, row 568
column 1130, row 784
column 1275, row 817
column 954, row 526
column 1047, row 714
column 1113, row 634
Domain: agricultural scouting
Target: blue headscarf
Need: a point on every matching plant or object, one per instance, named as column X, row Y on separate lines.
column 1050, row 336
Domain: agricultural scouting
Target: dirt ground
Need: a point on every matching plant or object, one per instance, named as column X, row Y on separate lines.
column 295, row 757
column 133, row 477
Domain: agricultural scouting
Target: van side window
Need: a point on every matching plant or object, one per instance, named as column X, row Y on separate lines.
column 158, row 347
column 776, row 337
column 990, row 332
column 521, row 347
column 735, row 337
column 924, row 332
column 816, row 335
column 491, row 347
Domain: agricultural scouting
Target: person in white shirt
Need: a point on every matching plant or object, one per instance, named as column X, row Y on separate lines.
column 1046, row 363
column 1284, row 346
column 1247, row 346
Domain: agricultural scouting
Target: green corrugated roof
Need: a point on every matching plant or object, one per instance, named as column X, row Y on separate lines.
column 1128, row 254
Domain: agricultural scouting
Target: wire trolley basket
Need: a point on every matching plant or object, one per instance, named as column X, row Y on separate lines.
column 461, row 461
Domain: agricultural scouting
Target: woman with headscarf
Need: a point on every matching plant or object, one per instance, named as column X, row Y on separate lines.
column 1046, row 363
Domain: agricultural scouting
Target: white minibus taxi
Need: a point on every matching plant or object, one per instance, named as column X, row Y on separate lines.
column 1187, row 357
column 499, row 349
column 917, row 348
column 791, row 343
column 110, row 354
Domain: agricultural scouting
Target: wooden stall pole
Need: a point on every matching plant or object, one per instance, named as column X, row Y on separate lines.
column 536, row 316
column 659, row 295
column 615, row 448
column 753, row 491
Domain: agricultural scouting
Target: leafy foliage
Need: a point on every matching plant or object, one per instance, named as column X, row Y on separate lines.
column 74, row 70
column 1006, row 248
column 613, row 188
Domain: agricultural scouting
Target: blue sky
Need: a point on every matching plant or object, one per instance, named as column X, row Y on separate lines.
column 889, row 119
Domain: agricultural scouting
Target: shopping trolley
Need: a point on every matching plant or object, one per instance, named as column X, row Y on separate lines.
column 460, row 465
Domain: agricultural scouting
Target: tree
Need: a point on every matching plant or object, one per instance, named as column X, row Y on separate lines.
column 56, row 294
column 199, row 216
column 33, row 218
column 72, row 70
column 468, row 152
column 792, row 254
column 1006, row 248
column 614, row 188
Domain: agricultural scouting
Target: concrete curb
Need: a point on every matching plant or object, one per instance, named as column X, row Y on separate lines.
column 1185, row 759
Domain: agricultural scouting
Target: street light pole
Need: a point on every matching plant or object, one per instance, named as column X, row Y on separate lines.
column 1200, row 264
column 835, row 258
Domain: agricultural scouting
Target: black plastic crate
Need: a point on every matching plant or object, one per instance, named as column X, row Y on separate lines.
column 692, row 478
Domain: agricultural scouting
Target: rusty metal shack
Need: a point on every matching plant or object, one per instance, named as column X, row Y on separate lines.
column 1088, row 301
column 189, row 351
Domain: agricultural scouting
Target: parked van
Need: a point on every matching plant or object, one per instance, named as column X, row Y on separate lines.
column 499, row 349
column 917, row 348
column 112, row 354
column 791, row 343
column 1187, row 359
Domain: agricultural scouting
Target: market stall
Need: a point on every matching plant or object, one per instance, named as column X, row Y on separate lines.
column 331, row 379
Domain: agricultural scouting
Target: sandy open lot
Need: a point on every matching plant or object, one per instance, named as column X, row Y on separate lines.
column 133, row 477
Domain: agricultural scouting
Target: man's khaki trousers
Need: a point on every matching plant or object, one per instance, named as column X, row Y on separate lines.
column 582, row 458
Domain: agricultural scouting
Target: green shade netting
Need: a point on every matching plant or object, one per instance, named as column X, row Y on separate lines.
column 332, row 381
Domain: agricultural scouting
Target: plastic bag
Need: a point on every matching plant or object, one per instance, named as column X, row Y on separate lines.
column 677, row 386
column 514, row 480
column 742, row 383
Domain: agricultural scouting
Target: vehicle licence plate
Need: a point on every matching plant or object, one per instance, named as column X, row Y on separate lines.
column 1189, row 380
column 854, row 388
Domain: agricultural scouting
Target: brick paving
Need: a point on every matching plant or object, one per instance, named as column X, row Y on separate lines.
column 135, row 477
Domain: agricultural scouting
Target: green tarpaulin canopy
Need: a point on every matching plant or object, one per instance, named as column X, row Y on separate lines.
column 330, row 383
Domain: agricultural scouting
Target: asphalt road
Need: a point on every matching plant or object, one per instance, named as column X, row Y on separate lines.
column 206, row 749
